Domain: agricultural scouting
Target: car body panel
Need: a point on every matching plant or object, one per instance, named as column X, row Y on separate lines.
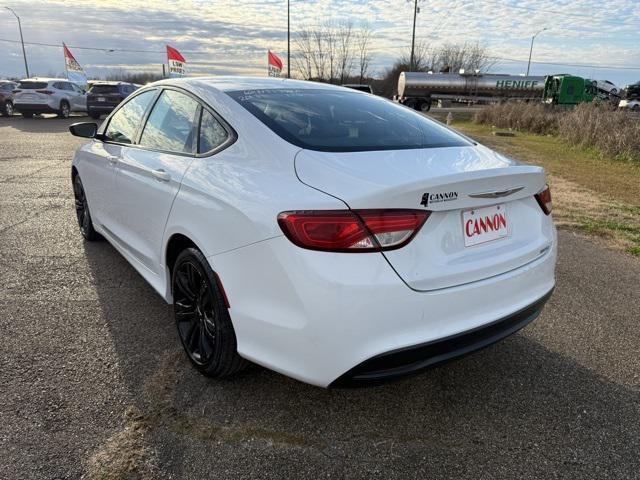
column 29, row 100
column 309, row 314
column 314, row 315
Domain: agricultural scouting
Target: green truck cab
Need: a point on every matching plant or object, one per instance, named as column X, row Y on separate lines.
column 568, row 90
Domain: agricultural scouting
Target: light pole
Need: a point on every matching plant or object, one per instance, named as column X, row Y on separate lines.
column 288, row 43
column 24, row 53
column 413, row 35
column 531, row 49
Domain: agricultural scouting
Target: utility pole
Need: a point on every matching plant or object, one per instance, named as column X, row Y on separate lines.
column 531, row 49
column 24, row 53
column 288, row 42
column 413, row 35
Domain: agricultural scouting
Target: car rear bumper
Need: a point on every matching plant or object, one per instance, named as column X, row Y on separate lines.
column 101, row 107
column 417, row 358
column 320, row 317
column 33, row 108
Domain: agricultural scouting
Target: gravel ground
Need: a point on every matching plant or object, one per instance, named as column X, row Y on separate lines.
column 94, row 383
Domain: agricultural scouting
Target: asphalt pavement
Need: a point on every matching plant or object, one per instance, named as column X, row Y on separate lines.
column 93, row 382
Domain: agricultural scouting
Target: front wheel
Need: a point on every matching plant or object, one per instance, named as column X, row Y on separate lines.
column 202, row 318
column 7, row 111
column 65, row 109
column 82, row 211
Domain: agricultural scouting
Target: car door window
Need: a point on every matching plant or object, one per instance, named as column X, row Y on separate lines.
column 125, row 122
column 171, row 123
column 212, row 133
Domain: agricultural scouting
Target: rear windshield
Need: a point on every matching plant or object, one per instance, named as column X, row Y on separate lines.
column 344, row 121
column 104, row 89
column 32, row 85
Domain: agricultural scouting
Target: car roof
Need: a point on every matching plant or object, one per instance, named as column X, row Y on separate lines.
column 231, row 83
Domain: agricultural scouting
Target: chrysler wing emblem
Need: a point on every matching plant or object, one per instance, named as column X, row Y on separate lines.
column 496, row 193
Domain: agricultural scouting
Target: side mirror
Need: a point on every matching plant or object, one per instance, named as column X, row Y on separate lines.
column 84, row 129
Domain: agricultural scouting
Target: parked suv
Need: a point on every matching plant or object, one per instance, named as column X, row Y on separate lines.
column 105, row 96
column 49, row 95
column 6, row 97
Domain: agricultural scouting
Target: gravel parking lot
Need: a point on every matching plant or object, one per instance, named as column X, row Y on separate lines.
column 94, row 382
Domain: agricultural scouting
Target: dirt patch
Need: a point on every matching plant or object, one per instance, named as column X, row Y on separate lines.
column 124, row 456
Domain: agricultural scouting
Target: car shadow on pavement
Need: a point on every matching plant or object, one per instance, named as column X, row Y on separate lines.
column 515, row 410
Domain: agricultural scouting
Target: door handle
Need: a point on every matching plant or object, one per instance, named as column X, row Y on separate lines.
column 161, row 175
column 113, row 159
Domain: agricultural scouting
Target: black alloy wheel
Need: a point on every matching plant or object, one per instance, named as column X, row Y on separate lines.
column 8, row 109
column 82, row 211
column 202, row 319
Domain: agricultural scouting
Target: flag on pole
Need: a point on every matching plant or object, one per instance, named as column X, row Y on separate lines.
column 176, row 62
column 75, row 73
column 274, row 64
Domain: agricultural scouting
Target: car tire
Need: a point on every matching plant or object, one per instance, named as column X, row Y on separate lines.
column 27, row 114
column 7, row 110
column 425, row 107
column 94, row 115
column 65, row 109
column 202, row 318
column 82, row 212
column 635, row 108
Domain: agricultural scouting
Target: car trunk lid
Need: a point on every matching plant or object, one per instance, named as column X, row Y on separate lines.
column 458, row 185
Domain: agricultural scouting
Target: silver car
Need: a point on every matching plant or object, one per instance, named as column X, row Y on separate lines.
column 33, row 96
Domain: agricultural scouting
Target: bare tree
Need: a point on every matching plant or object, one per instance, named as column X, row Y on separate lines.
column 302, row 56
column 328, row 52
column 345, row 49
column 467, row 56
column 363, row 37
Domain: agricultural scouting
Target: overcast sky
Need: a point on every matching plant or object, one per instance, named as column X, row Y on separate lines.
column 232, row 36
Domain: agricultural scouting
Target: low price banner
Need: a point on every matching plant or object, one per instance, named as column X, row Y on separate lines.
column 274, row 64
column 176, row 62
column 75, row 73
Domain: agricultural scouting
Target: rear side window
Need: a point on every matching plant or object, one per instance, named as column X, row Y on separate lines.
column 212, row 133
column 32, row 85
column 125, row 122
column 104, row 89
column 344, row 121
column 171, row 124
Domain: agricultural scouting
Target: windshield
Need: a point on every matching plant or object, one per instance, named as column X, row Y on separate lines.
column 344, row 121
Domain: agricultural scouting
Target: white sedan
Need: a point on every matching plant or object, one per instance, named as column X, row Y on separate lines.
column 322, row 232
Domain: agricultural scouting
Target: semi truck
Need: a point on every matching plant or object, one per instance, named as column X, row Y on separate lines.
column 420, row 90
column 568, row 89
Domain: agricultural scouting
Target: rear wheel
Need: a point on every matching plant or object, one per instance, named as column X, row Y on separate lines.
column 94, row 115
column 82, row 211
column 635, row 108
column 425, row 106
column 202, row 318
column 65, row 110
column 7, row 110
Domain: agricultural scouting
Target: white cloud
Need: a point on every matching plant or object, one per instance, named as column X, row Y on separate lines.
column 232, row 36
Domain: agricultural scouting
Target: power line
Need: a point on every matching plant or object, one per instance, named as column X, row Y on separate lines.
column 195, row 52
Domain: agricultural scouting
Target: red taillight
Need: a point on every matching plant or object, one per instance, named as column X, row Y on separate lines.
column 352, row 230
column 544, row 200
column 46, row 92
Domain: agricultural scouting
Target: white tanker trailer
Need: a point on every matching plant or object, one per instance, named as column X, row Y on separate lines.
column 420, row 89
